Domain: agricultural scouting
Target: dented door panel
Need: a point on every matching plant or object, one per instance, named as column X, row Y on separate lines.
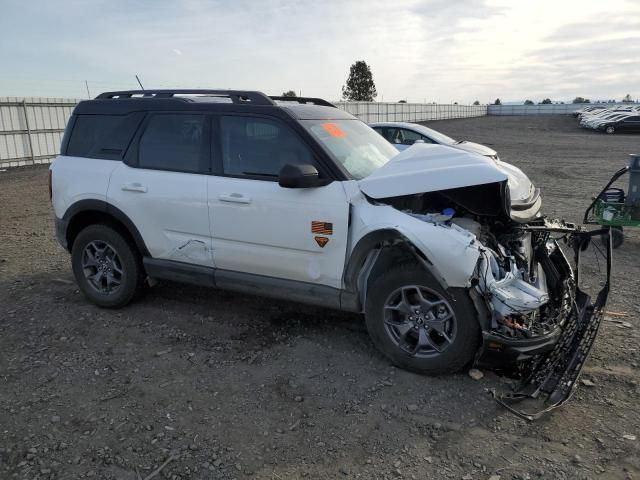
column 168, row 208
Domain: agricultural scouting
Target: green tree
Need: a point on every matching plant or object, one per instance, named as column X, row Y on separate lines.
column 546, row 101
column 359, row 86
column 581, row 100
column 402, row 101
column 627, row 99
column 289, row 93
column 476, row 102
column 528, row 102
column 497, row 102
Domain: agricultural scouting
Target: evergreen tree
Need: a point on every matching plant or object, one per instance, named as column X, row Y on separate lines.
column 359, row 86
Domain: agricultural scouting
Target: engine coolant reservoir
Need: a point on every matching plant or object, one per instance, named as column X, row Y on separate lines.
column 633, row 194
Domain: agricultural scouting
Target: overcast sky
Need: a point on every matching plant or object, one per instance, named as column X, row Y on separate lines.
column 433, row 50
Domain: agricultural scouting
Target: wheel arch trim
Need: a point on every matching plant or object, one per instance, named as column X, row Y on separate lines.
column 367, row 246
column 89, row 205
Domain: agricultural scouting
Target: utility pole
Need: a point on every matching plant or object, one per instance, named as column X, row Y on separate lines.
column 86, row 84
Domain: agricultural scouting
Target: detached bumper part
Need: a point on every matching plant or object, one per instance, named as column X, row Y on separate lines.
column 551, row 378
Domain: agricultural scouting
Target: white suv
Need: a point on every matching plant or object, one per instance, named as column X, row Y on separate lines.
column 300, row 200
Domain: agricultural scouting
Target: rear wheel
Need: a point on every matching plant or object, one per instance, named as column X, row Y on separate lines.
column 420, row 326
column 610, row 129
column 107, row 268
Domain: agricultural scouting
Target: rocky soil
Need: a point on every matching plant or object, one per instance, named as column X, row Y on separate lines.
column 190, row 383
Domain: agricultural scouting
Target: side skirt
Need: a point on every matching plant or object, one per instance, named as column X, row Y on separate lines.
column 260, row 285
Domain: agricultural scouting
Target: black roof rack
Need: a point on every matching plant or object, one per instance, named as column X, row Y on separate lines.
column 304, row 100
column 236, row 96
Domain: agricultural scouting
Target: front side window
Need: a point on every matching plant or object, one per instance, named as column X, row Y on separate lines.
column 256, row 146
column 173, row 142
column 353, row 144
column 409, row 137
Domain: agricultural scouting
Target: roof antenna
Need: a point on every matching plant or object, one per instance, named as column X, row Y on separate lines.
column 139, row 83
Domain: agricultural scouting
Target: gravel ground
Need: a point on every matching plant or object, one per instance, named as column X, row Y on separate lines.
column 215, row 385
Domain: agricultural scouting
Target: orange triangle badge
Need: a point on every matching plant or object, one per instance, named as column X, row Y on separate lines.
column 322, row 241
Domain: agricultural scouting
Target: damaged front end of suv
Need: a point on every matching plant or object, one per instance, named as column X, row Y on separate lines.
column 520, row 269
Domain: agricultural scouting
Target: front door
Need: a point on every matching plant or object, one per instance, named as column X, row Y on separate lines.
column 260, row 228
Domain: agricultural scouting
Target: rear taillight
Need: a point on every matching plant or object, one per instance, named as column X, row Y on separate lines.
column 50, row 187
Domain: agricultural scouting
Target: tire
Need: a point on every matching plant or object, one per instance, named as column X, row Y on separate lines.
column 610, row 129
column 421, row 342
column 107, row 267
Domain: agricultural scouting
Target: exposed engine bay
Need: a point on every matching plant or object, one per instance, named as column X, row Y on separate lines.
column 534, row 317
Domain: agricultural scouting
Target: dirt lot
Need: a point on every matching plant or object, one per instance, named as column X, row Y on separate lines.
column 226, row 386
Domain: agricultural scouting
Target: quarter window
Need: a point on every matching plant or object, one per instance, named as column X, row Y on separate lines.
column 102, row 136
column 254, row 146
column 173, row 142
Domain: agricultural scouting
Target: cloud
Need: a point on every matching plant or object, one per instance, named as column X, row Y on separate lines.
column 438, row 50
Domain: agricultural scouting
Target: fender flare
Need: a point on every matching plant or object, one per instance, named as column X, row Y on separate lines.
column 89, row 205
column 368, row 242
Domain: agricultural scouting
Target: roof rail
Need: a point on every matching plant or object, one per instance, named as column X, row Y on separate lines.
column 236, row 96
column 303, row 100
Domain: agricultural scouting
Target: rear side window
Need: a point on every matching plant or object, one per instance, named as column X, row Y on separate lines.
column 255, row 146
column 174, row 142
column 102, row 136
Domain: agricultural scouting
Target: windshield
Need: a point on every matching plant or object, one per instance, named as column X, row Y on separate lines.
column 437, row 137
column 353, row 144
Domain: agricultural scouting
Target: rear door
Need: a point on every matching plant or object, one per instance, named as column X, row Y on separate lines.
column 162, row 187
column 260, row 228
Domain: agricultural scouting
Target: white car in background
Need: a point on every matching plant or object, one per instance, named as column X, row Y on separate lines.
column 584, row 111
column 403, row 135
column 593, row 122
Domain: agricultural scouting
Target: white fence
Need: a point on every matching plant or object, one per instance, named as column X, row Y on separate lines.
column 547, row 109
column 409, row 112
column 31, row 129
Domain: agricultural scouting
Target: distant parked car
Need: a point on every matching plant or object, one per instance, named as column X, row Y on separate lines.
column 627, row 125
column 593, row 122
column 586, row 110
column 402, row 135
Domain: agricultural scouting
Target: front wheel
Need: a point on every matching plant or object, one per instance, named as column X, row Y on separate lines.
column 610, row 129
column 419, row 325
column 107, row 267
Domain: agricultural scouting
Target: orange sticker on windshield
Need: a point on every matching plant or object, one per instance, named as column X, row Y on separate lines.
column 334, row 130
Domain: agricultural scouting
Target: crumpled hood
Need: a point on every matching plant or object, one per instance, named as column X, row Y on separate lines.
column 430, row 168
column 476, row 148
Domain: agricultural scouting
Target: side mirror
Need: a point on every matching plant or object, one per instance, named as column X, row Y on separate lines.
column 299, row 176
column 419, row 141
